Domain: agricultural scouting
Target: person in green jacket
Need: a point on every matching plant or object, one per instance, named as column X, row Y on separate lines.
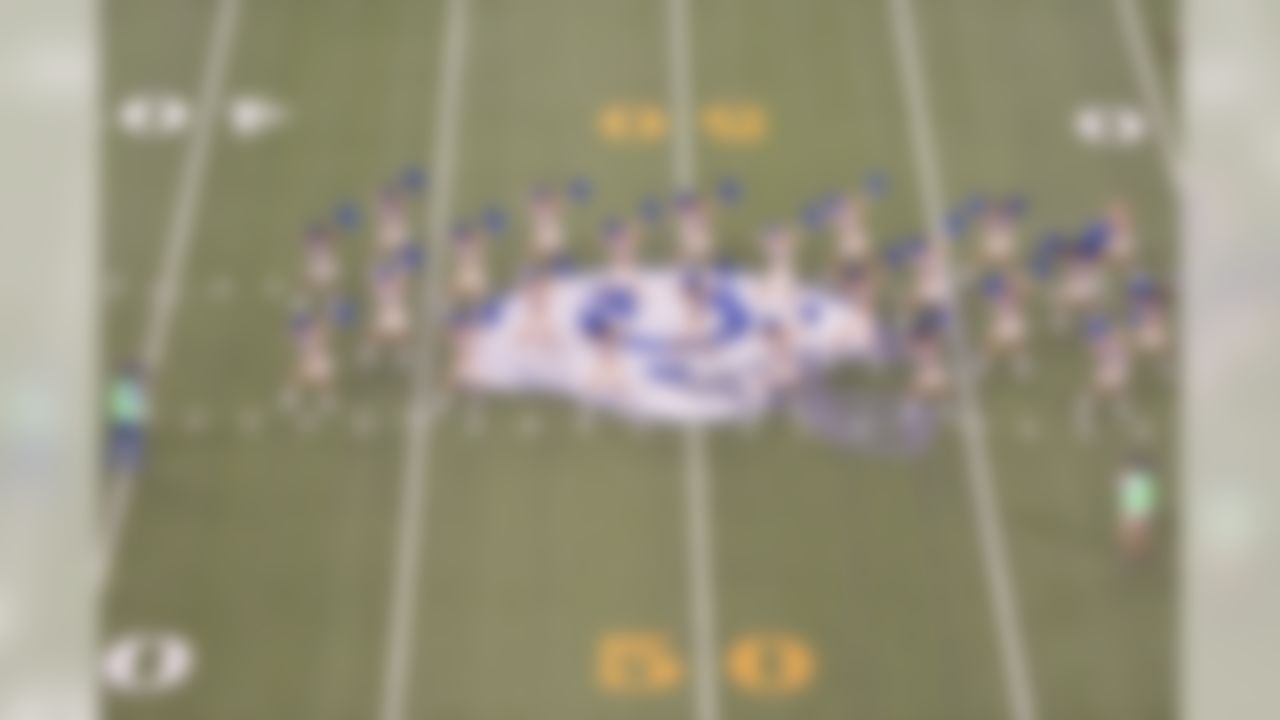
column 128, row 412
column 1137, row 501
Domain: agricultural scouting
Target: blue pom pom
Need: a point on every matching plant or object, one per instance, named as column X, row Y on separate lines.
column 413, row 257
column 957, row 223
column 976, row 205
column 413, row 179
column 814, row 216
column 495, row 221
column 730, row 191
column 1093, row 241
column 1017, row 206
column 876, row 184
column 651, row 210
column 345, row 313
column 1097, row 327
column 611, row 230
column 902, row 251
column 994, row 285
column 347, row 216
column 1143, row 287
column 299, row 321
column 929, row 322
column 580, row 190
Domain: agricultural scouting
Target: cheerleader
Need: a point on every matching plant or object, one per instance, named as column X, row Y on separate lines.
column 927, row 354
column 393, row 222
column 321, row 266
column 389, row 333
column 999, row 237
column 548, row 237
column 782, row 363
column 1108, row 387
column 693, row 231
column 779, row 287
column 314, row 369
column 608, row 381
column 535, row 298
column 1123, row 246
column 1080, row 283
column 859, row 331
column 470, row 284
column 852, row 236
column 1149, row 318
column 621, row 241
column 930, row 290
column 1006, row 320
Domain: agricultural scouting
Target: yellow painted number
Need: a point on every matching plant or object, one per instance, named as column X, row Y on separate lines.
column 629, row 122
column 771, row 663
column 764, row 664
column 735, row 123
column 637, row 663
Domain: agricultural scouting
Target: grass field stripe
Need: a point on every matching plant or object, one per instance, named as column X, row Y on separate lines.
column 697, row 469
column 419, row 419
column 194, row 171
column 177, row 245
column 680, row 84
column 1018, row 684
column 1142, row 62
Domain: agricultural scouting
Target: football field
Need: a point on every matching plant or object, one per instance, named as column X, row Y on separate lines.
column 410, row 553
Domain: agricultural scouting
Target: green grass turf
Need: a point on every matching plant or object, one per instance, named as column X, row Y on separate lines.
column 272, row 551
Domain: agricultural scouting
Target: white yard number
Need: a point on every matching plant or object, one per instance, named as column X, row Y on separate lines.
column 154, row 115
column 251, row 116
column 1110, row 125
column 163, row 115
column 148, row 663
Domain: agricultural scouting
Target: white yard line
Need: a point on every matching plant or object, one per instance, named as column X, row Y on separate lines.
column 1018, row 685
column 419, row 418
column 698, row 500
column 176, row 249
column 1143, row 64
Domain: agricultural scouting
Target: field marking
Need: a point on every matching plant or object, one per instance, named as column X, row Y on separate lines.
column 419, row 420
column 177, row 246
column 1142, row 63
column 1018, row 685
column 697, row 471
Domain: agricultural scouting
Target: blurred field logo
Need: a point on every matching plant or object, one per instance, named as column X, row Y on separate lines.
column 664, row 349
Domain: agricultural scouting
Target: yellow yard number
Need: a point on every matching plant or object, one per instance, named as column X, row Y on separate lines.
column 628, row 122
column 727, row 123
column 638, row 662
column 771, row 664
column 634, row 663
column 739, row 123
